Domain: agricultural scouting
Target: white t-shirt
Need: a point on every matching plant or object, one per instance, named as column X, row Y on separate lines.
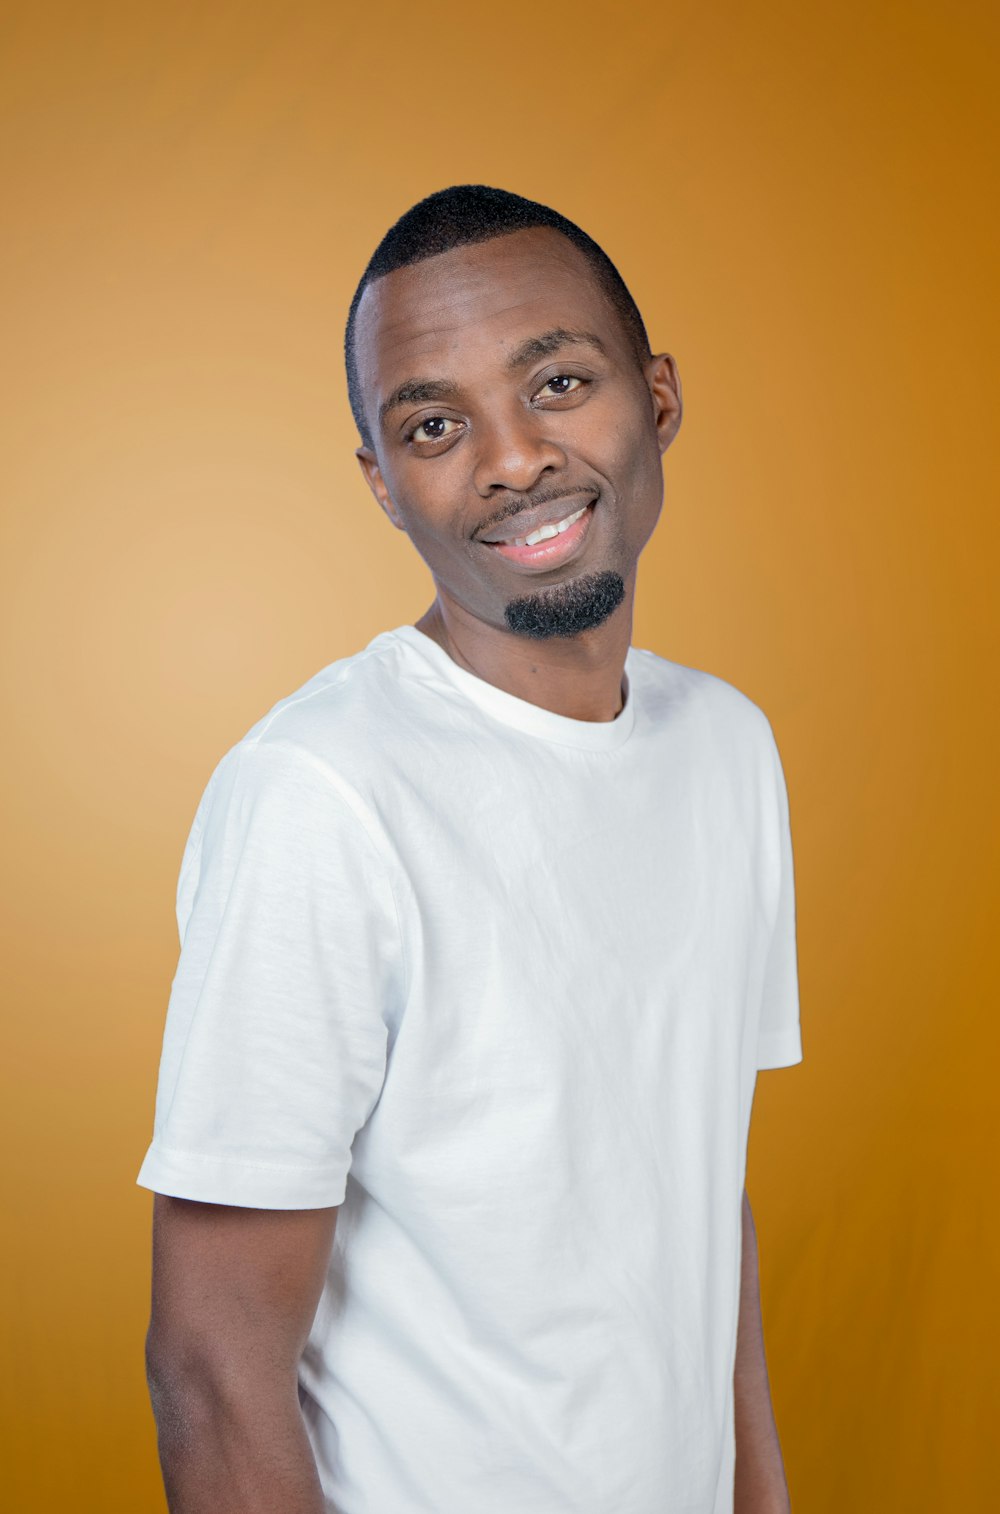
column 499, row 983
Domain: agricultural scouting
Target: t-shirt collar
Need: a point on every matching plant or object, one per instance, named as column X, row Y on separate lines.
column 534, row 719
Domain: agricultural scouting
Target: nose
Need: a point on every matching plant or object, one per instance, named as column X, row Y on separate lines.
column 513, row 453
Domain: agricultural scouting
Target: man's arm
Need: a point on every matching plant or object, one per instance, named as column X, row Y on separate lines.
column 234, row 1297
column 760, row 1474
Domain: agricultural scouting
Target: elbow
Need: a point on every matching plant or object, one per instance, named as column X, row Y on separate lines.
column 193, row 1386
column 171, row 1358
column 179, row 1389
column 203, row 1384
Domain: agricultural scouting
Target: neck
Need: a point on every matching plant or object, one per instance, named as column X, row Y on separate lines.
column 577, row 676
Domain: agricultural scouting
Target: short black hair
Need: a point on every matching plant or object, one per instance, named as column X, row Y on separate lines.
column 457, row 217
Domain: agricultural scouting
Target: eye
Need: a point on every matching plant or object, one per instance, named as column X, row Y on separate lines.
column 562, row 383
column 434, row 428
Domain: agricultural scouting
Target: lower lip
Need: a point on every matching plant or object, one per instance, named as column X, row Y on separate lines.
column 551, row 552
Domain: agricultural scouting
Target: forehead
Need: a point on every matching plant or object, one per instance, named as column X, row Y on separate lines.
column 468, row 307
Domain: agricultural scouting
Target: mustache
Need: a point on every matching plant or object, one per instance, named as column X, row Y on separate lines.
column 519, row 504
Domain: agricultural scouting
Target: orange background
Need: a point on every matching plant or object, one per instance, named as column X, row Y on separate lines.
column 799, row 198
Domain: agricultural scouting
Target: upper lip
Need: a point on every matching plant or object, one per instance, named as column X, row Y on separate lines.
column 549, row 514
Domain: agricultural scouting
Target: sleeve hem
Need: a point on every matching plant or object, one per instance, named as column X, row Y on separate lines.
column 779, row 1048
column 247, row 1185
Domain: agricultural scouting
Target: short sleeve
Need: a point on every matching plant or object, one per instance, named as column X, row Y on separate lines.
column 274, row 1050
column 779, row 1042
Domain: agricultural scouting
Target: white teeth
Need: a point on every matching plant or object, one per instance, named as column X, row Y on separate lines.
column 544, row 532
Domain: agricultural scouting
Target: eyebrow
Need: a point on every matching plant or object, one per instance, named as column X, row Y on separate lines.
column 537, row 347
column 425, row 391
column 417, row 392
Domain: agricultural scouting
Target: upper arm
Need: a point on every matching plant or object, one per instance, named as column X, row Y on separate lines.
column 779, row 1038
column 291, row 973
column 235, row 1285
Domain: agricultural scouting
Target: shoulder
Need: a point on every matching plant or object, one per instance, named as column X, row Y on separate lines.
column 336, row 714
column 724, row 739
column 672, row 691
column 314, row 744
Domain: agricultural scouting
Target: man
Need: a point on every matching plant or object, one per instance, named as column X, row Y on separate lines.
column 486, row 932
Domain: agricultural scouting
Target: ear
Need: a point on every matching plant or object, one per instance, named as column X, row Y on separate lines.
column 668, row 402
column 376, row 483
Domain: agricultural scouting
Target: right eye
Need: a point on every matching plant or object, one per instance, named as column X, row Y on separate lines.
column 434, row 428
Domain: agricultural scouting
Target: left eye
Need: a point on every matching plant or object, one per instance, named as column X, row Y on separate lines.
column 562, row 383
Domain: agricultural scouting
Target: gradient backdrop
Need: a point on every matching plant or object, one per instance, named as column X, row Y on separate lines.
column 800, row 198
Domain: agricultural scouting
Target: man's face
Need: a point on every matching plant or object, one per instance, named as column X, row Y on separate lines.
column 503, row 397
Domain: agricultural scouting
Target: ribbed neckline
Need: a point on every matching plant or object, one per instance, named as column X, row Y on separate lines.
column 592, row 735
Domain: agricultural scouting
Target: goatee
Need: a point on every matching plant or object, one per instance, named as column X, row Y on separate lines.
column 565, row 609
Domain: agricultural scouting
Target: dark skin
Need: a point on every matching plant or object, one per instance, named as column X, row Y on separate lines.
column 580, row 418
column 235, row 1290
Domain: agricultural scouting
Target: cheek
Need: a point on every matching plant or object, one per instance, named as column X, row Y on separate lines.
column 633, row 463
column 621, row 429
column 409, row 487
column 429, row 503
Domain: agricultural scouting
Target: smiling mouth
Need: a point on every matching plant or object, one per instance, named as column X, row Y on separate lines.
column 551, row 510
column 546, row 532
column 551, row 543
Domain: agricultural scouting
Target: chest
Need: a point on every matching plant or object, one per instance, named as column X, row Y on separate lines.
column 567, row 898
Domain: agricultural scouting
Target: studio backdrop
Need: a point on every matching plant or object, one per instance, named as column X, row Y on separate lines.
column 800, row 199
